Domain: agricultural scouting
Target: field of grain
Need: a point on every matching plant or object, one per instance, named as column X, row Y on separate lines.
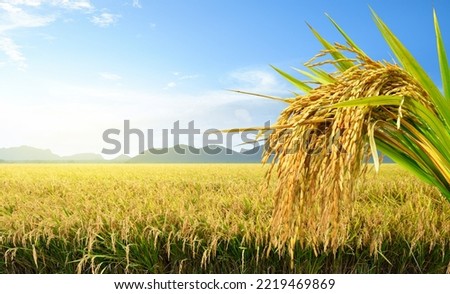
column 204, row 219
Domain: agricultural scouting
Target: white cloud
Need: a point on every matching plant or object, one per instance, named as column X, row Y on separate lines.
column 76, row 5
column 13, row 17
column 109, row 76
column 254, row 78
column 188, row 77
column 11, row 50
column 257, row 81
column 170, row 85
column 136, row 4
column 34, row 3
column 18, row 14
column 67, row 4
column 105, row 19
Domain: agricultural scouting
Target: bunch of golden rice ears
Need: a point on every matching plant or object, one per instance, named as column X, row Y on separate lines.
column 323, row 139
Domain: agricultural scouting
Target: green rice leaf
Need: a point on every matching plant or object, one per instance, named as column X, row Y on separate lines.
column 413, row 67
column 323, row 74
column 342, row 62
column 316, row 75
column 296, row 82
column 285, row 100
column 435, row 128
column 411, row 165
column 443, row 61
column 344, row 34
column 369, row 101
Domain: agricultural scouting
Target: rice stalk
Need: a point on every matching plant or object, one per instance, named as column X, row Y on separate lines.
column 322, row 141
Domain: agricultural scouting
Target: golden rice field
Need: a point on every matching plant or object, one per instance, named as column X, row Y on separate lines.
column 205, row 219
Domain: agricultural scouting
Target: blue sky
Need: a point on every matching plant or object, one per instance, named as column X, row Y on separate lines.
column 69, row 69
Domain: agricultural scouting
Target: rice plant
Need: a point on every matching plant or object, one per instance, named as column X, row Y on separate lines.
column 203, row 218
column 325, row 136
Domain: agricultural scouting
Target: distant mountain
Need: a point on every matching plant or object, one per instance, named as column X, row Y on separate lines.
column 176, row 154
column 32, row 154
column 210, row 154
column 83, row 157
column 27, row 153
column 189, row 154
column 121, row 159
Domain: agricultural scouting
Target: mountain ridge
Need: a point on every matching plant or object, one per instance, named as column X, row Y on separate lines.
column 207, row 154
column 176, row 154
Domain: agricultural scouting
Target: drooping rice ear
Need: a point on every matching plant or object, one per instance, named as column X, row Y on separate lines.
column 317, row 170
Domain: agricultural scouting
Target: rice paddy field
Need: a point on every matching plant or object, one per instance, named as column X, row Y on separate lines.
column 206, row 219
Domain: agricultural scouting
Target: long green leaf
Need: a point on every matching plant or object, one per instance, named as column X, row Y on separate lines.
column 443, row 61
column 347, row 38
column 435, row 129
column 319, row 78
column 342, row 63
column 296, row 82
column 413, row 67
column 411, row 165
column 406, row 152
column 369, row 101
column 323, row 74
column 285, row 100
